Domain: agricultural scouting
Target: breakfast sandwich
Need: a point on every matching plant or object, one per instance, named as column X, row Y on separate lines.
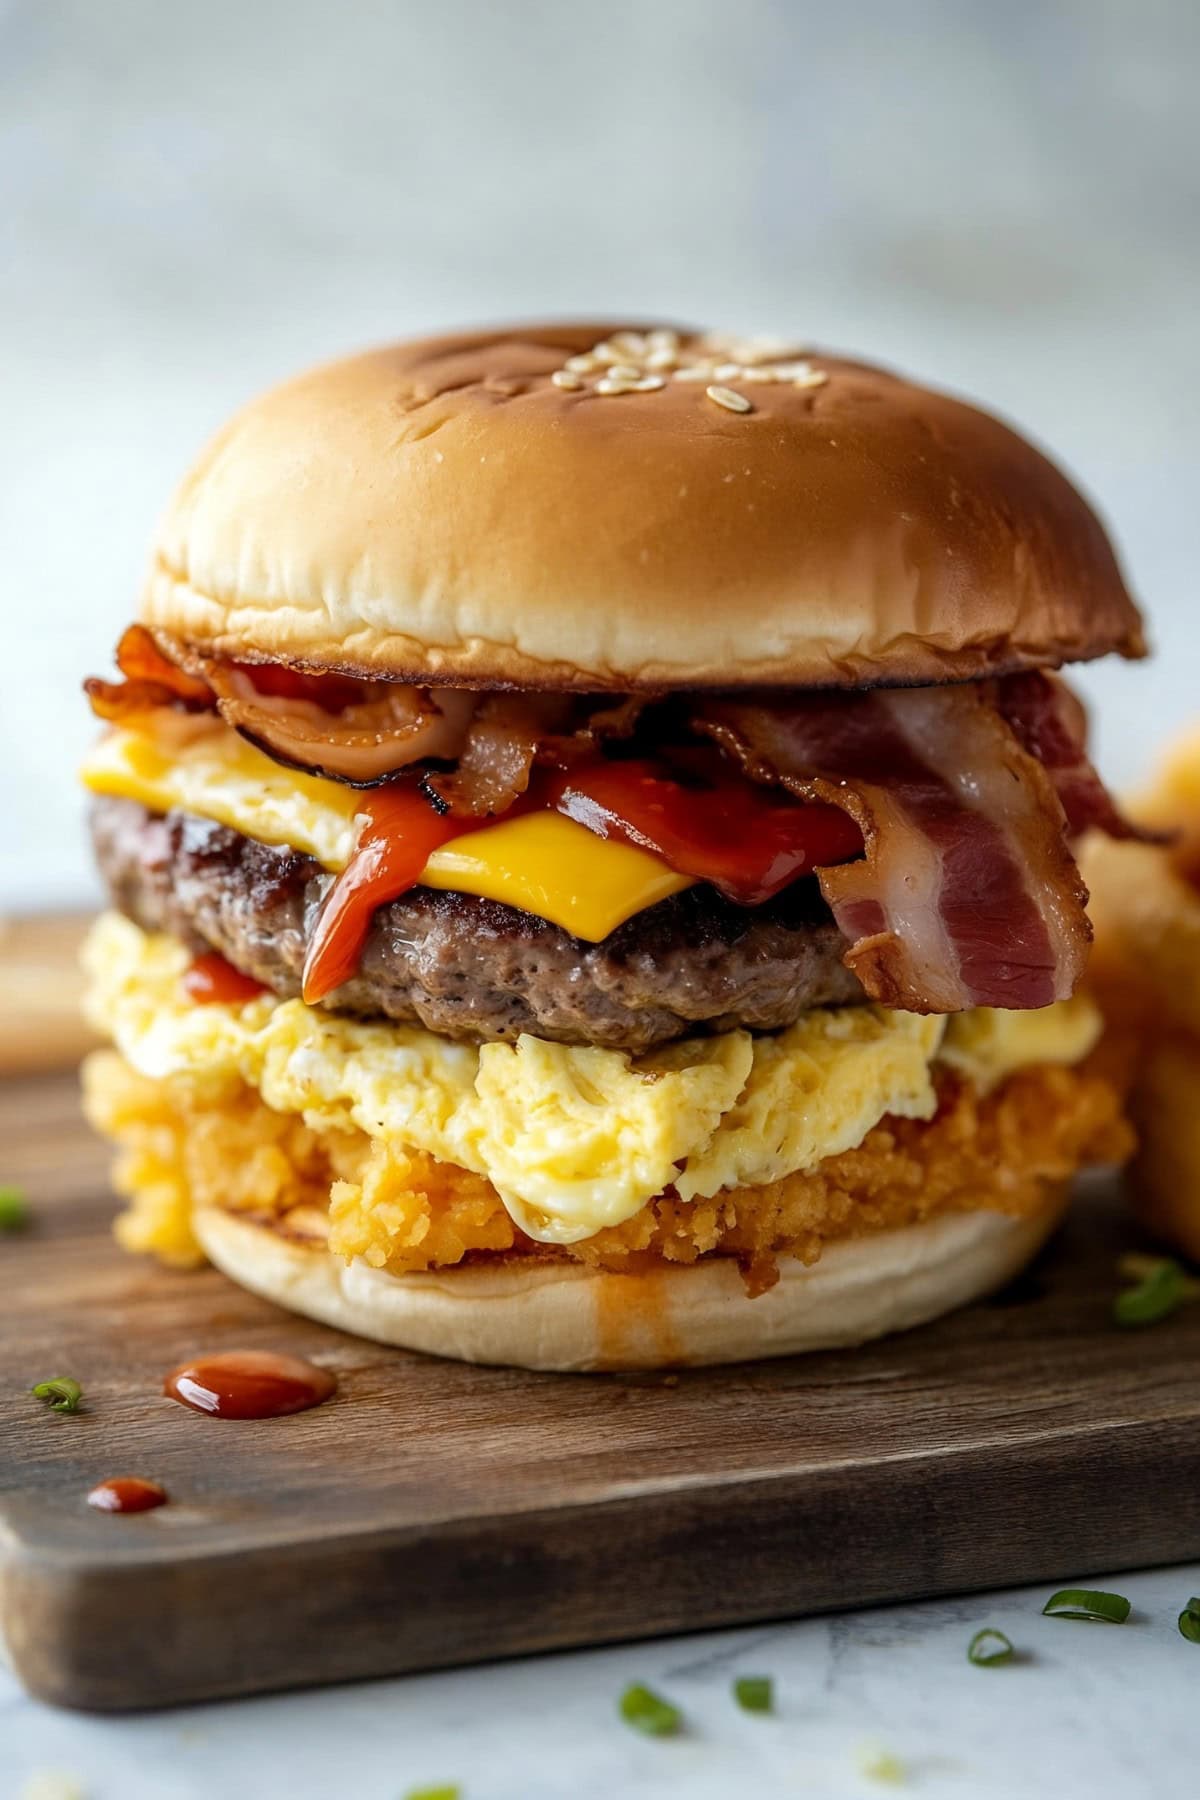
column 1146, row 975
column 589, row 818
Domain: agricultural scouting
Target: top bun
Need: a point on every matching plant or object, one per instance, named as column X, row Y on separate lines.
column 444, row 511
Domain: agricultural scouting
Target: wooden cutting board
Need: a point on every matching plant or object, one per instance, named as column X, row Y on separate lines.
column 434, row 1514
column 40, row 1026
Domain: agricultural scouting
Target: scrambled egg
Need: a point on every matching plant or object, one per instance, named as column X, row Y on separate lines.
column 178, row 1151
column 988, row 1044
column 574, row 1140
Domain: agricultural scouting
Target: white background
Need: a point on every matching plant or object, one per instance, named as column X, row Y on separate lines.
column 197, row 198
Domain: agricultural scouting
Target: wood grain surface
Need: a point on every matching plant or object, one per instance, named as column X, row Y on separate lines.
column 40, row 1026
column 434, row 1514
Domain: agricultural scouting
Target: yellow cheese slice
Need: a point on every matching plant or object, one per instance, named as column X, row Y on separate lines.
column 556, row 869
column 540, row 862
column 220, row 776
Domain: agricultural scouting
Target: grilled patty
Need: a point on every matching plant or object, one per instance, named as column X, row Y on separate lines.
column 474, row 968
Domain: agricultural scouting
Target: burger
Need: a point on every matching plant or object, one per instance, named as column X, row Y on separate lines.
column 588, row 813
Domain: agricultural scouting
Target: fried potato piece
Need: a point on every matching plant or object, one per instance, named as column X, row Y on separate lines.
column 1165, row 1175
column 1145, row 966
column 1145, row 973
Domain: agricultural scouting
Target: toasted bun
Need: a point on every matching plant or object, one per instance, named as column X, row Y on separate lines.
column 532, row 1314
column 441, row 511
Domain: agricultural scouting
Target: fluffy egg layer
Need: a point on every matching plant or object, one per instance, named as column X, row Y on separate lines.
column 574, row 1140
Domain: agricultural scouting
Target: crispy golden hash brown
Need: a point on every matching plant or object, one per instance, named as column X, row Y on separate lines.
column 1145, row 973
column 182, row 1143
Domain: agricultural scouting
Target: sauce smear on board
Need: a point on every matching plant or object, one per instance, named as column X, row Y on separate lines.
column 249, row 1384
column 127, row 1494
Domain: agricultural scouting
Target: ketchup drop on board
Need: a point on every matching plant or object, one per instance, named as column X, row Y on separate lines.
column 249, row 1384
column 127, row 1494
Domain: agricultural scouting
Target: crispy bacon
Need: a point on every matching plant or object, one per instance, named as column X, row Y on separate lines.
column 965, row 796
column 498, row 753
column 608, row 721
column 1050, row 722
column 968, row 894
column 511, row 734
column 364, row 732
column 151, row 682
column 361, row 737
column 139, row 657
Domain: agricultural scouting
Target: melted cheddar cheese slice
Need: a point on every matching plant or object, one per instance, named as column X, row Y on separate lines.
column 541, row 862
column 557, row 870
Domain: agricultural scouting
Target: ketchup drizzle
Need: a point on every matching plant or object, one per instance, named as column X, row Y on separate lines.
column 127, row 1494
column 249, row 1384
column 747, row 841
column 210, row 978
column 400, row 832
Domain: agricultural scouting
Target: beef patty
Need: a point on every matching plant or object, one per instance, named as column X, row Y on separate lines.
column 473, row 968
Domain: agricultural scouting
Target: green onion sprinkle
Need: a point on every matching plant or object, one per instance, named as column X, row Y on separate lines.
column 754, row 1693
column 647, row 1711
column 1189, row 1620
column 1155, row 1296
column 988, row 1648
column 14, row 1208
column 1087, row 1603
column 62, row 1395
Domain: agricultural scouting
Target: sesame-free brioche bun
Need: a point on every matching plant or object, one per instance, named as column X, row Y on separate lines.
column 442, row 511
column 526, row 1312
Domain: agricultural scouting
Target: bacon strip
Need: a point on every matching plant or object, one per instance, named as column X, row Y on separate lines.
column 512, row 733
column 1051, row 723
column 496, row 757
column 151, row 681
column 364, row 732
column 359, row 732
column 968, row 894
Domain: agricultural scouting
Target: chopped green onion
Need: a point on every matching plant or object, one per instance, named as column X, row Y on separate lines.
column 450, row 1792
column 880, row 1765
column 14, row 1209
column 989, row 1647
column 1137, row 1264
column 62, row 1395
column 1087, row 1603
column 647, row 1711
column 754, row 1693
column 1156, row 1295
column 1189, row 1621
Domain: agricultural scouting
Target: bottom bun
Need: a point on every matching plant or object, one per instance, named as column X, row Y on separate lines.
column 527, row 1312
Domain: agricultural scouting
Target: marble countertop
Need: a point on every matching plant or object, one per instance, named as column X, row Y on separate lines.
column 1084, row 1710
